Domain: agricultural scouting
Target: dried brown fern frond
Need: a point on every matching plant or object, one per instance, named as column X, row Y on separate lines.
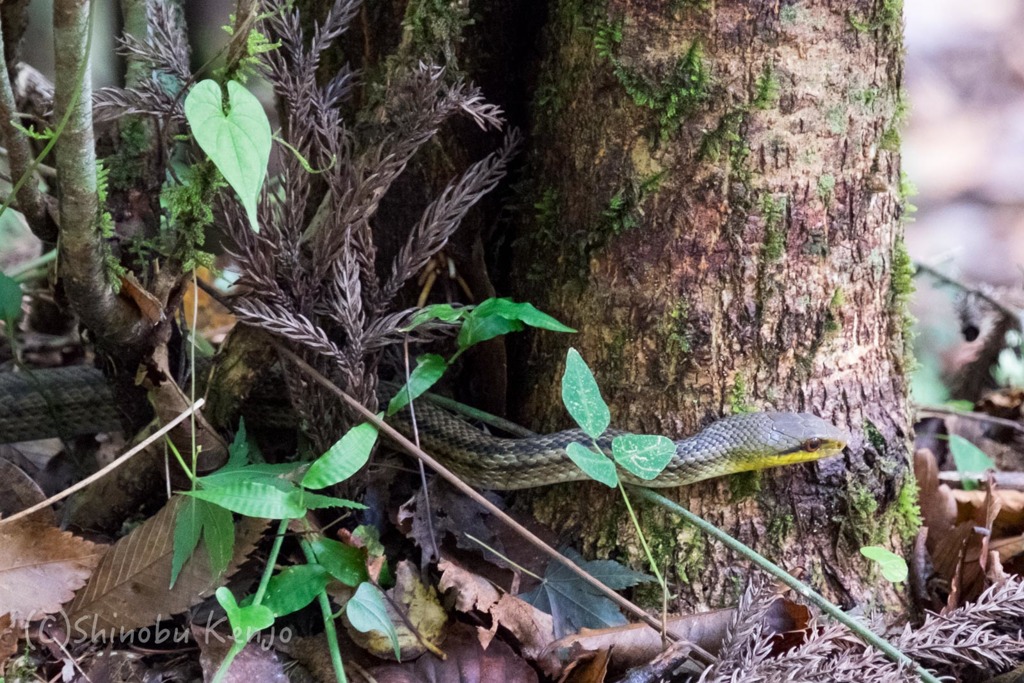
column 311, row 275
column 983, row 637
column 166, row 55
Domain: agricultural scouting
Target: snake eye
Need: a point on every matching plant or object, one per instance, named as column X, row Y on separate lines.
column 812, row 445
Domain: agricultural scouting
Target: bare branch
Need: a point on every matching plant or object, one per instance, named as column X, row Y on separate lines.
column 31, row 201
column 81, row 248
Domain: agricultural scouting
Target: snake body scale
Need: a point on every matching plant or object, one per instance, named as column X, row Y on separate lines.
column 68, row 402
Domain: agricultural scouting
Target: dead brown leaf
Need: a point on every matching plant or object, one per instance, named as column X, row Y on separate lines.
column 254, row 664
column 532, row 628
column 18, row 492
column 41, row 568
column 1008, row 521
column 8, row 639
column 938, row 508
column 150, row 307
column 467, row 662
column 590, row 669
column 635, row 645
column 129, row 589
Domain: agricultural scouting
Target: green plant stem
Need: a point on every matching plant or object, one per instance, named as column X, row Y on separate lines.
column 328, row 616
column 24, row 271
column 803, row 589
column 268, row 571
column 191, row 473
column 650, row 557
column 257, row 599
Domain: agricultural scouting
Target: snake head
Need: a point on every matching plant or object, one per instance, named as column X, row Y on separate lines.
column 802, row 437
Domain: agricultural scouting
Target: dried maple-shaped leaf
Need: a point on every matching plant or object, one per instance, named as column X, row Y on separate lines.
column 41, row 567
column 129, row 589
column 532, row 628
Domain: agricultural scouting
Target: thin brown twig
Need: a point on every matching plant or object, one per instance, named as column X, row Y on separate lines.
column 109, row 468
column 450, row 477
column 967, row 415
column 423, row 472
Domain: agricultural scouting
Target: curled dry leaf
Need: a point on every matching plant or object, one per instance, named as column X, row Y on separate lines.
column 533, row 628
column 423, row 610
column 938, row 509
column 41, row 568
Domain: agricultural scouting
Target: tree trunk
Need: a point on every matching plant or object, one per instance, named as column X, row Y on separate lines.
column 719, row 208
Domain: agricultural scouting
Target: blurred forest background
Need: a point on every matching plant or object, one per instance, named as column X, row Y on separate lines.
column 964, row 150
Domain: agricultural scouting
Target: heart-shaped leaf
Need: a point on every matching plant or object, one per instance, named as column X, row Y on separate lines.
column 237, row 141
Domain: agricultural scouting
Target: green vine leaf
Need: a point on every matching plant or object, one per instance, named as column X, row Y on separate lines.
column 894, row 567
column 293, row 588
column 969, row 459
column 429, row 368
column 582, row 396
column 10, row 301
column 595, row 465
column 237, row 141
column 367, row 611
column 643, row 455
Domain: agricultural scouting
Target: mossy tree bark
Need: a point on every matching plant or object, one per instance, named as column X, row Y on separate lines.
column 719, row 208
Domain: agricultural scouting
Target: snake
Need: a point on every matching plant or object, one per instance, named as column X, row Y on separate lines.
column 76, row 400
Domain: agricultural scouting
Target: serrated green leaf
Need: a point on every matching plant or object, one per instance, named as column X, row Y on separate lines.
column 366, row 611
column 197, row 519
column 315, row 501
column 188, row 528
column 969, row 459
column 266, row 472
column 574, row 603
column 245, row 621
column 10, row 301
column 344, row 562
column 582, row 397
column 343, row 459
column 642, row 454
column 894, row 567
column 597, row 466
column 429, row 368
column 293, row 588
column 238, row 142
column 253, row 499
